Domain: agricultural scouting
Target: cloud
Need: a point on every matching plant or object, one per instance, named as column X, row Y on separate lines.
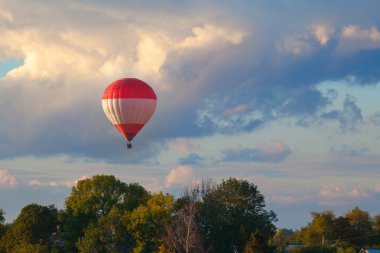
column 377, row 187
column 347, row 150
column 6, row 179
column 350, row 118
column 65, row 183
column 182, row 175
column 35, row 182
column 183, row 145
column 356, row 33
column 191, row 159
column 322, row 33
column 211, row 74
column 235, row 110
column 334, row 194
column 296, row 45
column 212, row 35
column 354, row 38
column 274, row 152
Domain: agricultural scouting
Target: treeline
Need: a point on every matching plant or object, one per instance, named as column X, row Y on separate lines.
column 326, row 233
column 103, row 214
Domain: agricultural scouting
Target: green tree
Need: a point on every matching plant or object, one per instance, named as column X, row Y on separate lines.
column 314, row 249
column 94, row 198
column 35, row 225
column 361, row 221
column 3, row 227
column 108, row 235
column 146, row 223
column 346, row 250
column 344, row 231
column 25, row 247
column 375, row 238
column 281, row 239
column 231, row 212
column 256, row 244
column 323, row 224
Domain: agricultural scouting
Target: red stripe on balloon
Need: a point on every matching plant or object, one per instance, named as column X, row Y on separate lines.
column 129, row 88
column 129, row 131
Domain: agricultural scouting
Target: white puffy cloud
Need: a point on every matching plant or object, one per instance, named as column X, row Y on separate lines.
column 355, row 32
column 183, row 145
column 354, row 38
column 6, row 179
column 182, row 175
column 65, row 183
column 35, row 182
column 332, row 194
column 322, row 33
column 274, row 148
column 211, row 35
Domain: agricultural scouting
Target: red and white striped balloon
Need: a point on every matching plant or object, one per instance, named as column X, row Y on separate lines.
column 129, row 103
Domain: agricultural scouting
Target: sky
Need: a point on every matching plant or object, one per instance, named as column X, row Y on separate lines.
column 283, row 94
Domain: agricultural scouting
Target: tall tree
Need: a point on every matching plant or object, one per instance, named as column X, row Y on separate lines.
column 375, row 237
column 344, row 231
column 3, row 227
column 256, row 244
column 231, row 212
column 146, row 223
column 35, row 225
column 94, row 198
column 108, row 235
column 183, row 232
column 281, row 239
column 361, row 221
column 323, row 223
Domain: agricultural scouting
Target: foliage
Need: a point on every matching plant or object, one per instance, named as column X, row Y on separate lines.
column 92, row 199
column 281, row 239
column 108, row 235
column 24, row 247
column 347, row 250
column 145, row 223
column 314, row 249
column 3, row 227
column 96, row 196
column 182, row 232
column 359, row 219
column 231, row 212
column 323, row 225
column 103, row 214
column 344, row 231
column 35, row 225
column 256, row 244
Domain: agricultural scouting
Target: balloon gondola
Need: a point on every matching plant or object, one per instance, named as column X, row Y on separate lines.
column 129, row 103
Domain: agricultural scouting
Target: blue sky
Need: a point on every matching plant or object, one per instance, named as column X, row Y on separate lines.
column 284, row 94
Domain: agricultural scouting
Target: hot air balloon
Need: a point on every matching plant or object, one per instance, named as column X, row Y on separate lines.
column 129, row 103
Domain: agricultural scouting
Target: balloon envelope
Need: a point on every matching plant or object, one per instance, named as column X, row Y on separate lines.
column 129, row 103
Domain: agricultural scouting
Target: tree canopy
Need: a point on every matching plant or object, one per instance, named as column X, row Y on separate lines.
column 104, row 214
